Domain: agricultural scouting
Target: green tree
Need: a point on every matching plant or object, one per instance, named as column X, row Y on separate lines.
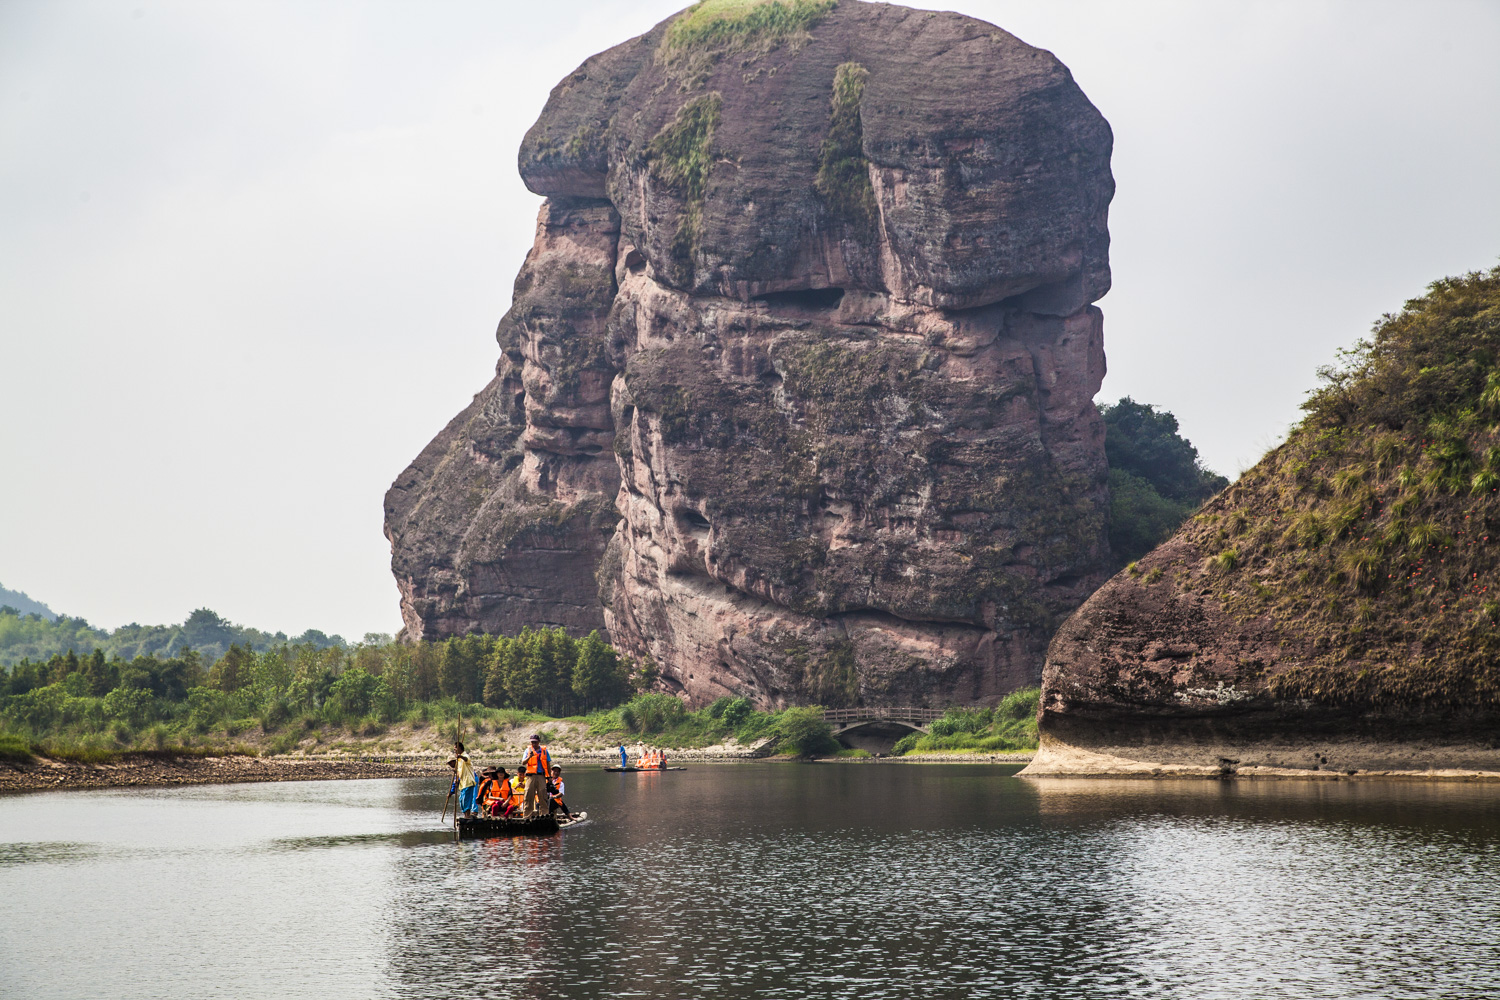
column 496, row 668
column 804, row 732
column 1155, row 477
column 599, row 677
column 233, row 670
column 460, row 673
column 62, row 666
column 1143, row 441
column 96, row 675
column 538, row 677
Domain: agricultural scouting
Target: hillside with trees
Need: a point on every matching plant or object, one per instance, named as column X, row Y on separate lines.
column 23, row 603
column 32, row 636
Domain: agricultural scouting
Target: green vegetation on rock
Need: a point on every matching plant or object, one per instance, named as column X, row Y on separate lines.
column 698, row 36
column 843, row 172
column 1156, row 479
column 1010, row 725
column 680, row 156
column 1371, row 537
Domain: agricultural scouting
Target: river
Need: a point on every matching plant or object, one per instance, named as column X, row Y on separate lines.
column 863, row 881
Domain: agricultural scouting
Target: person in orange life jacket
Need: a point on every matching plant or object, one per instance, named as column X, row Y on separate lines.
column 536, row 765
column 467, row 785
column 489, row 784
column 498, row 801
column 558, row 792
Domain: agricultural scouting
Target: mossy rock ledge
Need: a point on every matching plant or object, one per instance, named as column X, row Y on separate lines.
column 1336, row 612
column 795, row 393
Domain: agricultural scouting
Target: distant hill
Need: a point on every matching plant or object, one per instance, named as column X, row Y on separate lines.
column 37, row 636
column 24, row 604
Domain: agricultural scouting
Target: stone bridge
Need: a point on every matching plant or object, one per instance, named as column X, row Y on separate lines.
column 877, row 728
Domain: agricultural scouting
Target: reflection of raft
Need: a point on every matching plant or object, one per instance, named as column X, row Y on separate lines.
column 616, row 767
column 471, row 829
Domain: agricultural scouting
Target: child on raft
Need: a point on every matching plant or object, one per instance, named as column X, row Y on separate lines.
column 558, row 791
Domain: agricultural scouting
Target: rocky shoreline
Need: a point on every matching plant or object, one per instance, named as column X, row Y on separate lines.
column 165, row 768
column 1316, row 760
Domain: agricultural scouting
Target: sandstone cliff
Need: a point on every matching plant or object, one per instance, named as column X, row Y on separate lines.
column 795, row 396
column 1334, row 610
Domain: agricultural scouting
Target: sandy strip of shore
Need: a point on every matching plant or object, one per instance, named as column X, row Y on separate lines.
column 157, row 769
column 1057, row 759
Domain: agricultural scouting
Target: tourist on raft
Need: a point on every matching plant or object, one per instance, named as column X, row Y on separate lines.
column 495, row 793
column 558, row 791
column 536, row 765
column 468, row 787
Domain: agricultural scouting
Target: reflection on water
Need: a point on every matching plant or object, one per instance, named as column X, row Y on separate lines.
column 762, row 880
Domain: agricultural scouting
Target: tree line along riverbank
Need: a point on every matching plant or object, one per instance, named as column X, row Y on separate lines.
column 391, row 700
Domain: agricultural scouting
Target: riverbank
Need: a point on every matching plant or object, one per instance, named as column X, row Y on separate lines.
column 165, row 767
column 936, row 757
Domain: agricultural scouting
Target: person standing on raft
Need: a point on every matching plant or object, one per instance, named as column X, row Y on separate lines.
column 537, row 766
column 467, row 786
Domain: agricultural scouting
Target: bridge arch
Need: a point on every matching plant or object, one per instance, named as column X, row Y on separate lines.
column 876, row 729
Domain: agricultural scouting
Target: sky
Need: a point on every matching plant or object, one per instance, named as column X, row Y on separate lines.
column 252, row 255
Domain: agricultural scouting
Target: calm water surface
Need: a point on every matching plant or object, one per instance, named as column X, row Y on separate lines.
column 760, row 880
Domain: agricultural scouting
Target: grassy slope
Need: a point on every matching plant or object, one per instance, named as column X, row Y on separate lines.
column 1371, row 537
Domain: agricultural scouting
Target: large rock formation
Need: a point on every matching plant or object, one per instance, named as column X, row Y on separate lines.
column 1333, row 611
column 795, row 396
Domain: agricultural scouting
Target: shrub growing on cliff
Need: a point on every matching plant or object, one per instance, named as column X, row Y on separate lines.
column 843, row 177
column 680, row 157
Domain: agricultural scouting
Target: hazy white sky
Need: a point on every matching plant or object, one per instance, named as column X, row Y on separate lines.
column 252, row 254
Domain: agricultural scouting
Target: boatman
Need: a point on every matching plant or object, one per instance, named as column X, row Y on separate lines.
column 467, row 786
column 536, row 765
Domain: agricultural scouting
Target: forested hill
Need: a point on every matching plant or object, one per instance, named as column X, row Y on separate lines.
column 24, row 604
column 32, row 636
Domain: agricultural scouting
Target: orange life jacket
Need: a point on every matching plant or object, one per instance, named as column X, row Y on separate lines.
column 538, row 761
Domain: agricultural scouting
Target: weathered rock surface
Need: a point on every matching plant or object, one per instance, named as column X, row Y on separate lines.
column 796, row 392
column 1333, row 610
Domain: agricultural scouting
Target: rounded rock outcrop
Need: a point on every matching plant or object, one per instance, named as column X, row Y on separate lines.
column 800, row 371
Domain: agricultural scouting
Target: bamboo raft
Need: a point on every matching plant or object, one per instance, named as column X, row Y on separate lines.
column 617, row 767
column 538, row 826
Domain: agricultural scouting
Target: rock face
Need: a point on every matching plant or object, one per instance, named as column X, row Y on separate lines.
column 795, row 397
column 1332, row 611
